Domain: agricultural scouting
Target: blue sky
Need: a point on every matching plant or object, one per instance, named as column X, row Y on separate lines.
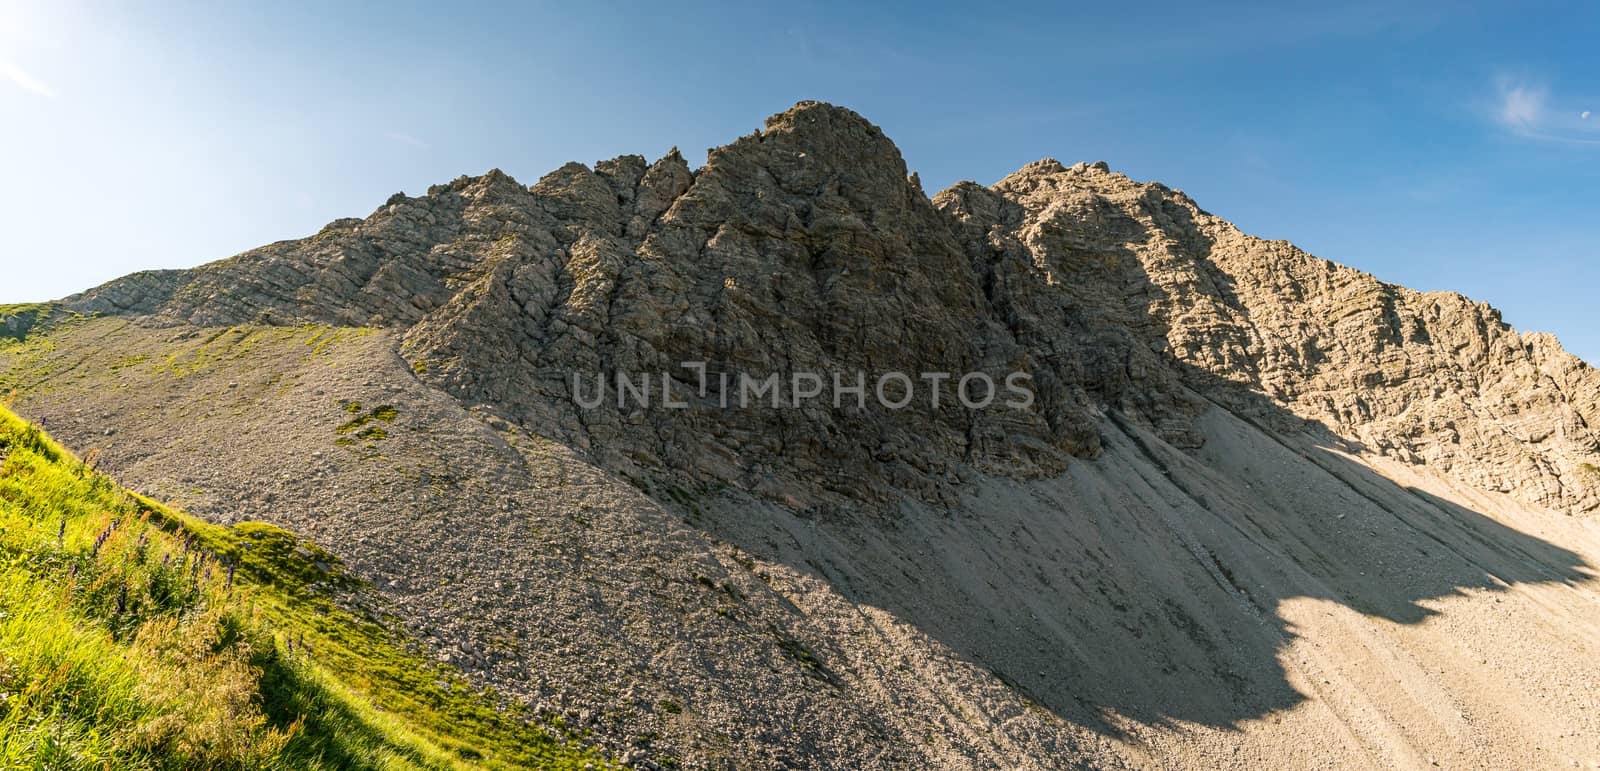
column 1440, row 146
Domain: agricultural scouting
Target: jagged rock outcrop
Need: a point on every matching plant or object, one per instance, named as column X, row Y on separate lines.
column 805, row 248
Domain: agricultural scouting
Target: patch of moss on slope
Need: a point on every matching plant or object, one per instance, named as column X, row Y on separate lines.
column 365, row 426
column 134, row 636
column 17, row 320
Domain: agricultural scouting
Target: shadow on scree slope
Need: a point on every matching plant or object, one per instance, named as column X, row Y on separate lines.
column 1147, row 583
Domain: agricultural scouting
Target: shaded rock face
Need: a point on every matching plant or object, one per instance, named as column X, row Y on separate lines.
column 805, row 248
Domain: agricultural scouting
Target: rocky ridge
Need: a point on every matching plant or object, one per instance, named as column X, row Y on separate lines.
column 806, row 247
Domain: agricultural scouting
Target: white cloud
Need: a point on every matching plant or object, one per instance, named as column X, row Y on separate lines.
column 1584, row 115
column 20, row 77
column 1521, row 104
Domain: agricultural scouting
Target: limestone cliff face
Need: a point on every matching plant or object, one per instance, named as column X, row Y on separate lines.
column 806, row 248
column 1429, row 378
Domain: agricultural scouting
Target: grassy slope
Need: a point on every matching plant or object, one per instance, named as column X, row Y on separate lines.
column 133, row 636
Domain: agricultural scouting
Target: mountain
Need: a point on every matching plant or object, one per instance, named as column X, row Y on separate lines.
column 1258, row 507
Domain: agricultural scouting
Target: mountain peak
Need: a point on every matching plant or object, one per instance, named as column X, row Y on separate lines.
column 812, row 111
column 830, row 134
column 808, row 245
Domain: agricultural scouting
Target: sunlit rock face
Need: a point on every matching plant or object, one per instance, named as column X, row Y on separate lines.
column 806, row 248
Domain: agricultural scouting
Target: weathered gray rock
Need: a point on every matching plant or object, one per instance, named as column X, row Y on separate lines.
column 1428, row 378
column 806, row 248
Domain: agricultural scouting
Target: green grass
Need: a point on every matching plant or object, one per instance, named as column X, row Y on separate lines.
column 135, row 637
